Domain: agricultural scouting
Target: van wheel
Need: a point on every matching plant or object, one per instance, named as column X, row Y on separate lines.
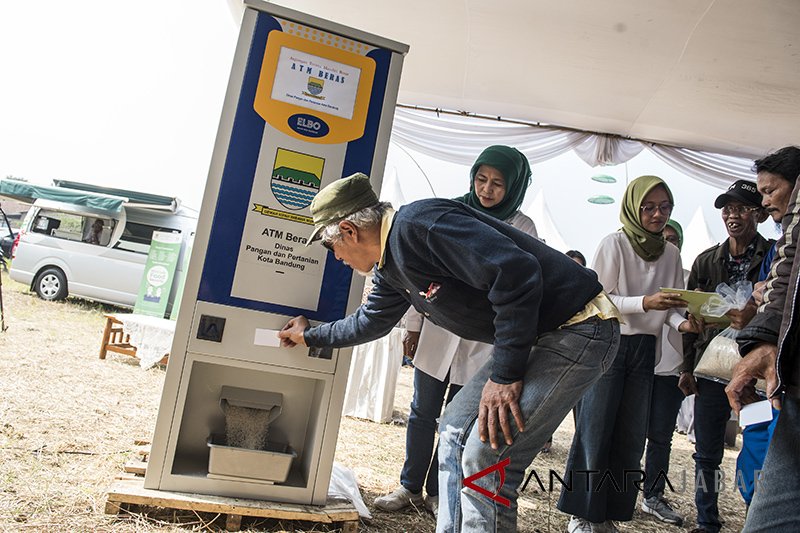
column 51, row 285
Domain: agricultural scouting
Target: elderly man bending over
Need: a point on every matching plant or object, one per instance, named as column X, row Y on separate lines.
column 553, row 328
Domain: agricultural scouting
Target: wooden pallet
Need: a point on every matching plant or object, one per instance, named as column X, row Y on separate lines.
column 128, row 490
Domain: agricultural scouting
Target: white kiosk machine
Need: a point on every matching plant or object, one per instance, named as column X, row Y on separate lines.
column 308, row 102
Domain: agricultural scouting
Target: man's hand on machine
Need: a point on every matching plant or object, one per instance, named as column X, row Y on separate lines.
column 496, row 402
column 292, row 333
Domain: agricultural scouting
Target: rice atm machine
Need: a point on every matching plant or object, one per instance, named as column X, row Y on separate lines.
column 308, row 102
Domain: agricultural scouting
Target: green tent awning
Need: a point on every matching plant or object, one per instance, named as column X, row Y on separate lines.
column 132, row 198
column 86, row 195
column 28, row 193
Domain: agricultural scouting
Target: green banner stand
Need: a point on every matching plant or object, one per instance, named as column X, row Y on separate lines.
column 159, row 274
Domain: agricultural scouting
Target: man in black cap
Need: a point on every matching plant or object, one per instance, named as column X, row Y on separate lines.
column 737, row 259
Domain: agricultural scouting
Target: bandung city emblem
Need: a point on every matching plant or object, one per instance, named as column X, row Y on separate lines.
column 315, row 86
column 296, row 178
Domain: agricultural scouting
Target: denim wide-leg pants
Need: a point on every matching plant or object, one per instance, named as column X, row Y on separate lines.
column 561, row 367
column 605, row 458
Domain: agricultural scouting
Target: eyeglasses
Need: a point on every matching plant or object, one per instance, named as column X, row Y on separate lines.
column 738, row 210
column 673, row 239
column 650, row 209
column 327, row 244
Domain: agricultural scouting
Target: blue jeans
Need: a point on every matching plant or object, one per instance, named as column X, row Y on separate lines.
column 607, row 448
column 563, row 364
column 665, row 402
column 711, row 415
column 422, row 460
column 774, row 507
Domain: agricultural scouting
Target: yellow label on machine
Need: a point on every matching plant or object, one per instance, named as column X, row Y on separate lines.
column 313, row 91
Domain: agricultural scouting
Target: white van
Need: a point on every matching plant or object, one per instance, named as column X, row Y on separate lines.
column 68, row 249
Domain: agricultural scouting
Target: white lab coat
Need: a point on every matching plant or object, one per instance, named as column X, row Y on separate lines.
column 669, row 352
column 440, row 351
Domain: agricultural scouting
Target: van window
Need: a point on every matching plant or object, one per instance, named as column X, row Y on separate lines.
column 73, row 227
column 137, row 237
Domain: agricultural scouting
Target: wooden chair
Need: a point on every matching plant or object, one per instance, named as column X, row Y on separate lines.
column 115, row 339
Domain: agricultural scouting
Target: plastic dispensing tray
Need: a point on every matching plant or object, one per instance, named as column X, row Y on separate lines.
column 271, row 465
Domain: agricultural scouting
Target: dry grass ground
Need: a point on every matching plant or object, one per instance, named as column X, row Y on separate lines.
column 68, row 421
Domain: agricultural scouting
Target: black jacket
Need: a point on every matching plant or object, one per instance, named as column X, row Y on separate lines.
column 473, row 275
column 708, row 271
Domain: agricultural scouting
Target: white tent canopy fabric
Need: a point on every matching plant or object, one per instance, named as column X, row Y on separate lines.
column 696, row 238
column 545, row 226
column 392, row 191
column 460, row 139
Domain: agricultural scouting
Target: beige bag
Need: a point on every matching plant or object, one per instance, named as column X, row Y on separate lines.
column 719, row 358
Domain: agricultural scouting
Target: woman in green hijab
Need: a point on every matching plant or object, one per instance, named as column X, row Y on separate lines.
column 673, row 232
column 443, row 362
column 632, row 264
column 645, row 211
column 499, row 179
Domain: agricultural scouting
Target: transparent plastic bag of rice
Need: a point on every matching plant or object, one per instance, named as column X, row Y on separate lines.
column 719, row 358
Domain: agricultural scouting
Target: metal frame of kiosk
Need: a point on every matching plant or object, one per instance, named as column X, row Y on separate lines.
column 308, row 101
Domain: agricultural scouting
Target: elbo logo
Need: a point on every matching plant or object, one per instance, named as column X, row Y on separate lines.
column 308, row 125
column 501, row 468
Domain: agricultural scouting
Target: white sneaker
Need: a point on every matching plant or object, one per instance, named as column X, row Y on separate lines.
column 399, row 499
column 659, row 507
column 579, row 525
column 432, row 504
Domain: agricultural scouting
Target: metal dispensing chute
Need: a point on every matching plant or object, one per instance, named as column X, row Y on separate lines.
column 308, row 102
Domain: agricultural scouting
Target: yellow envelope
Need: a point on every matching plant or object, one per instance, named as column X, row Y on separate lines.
column 696, row 299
